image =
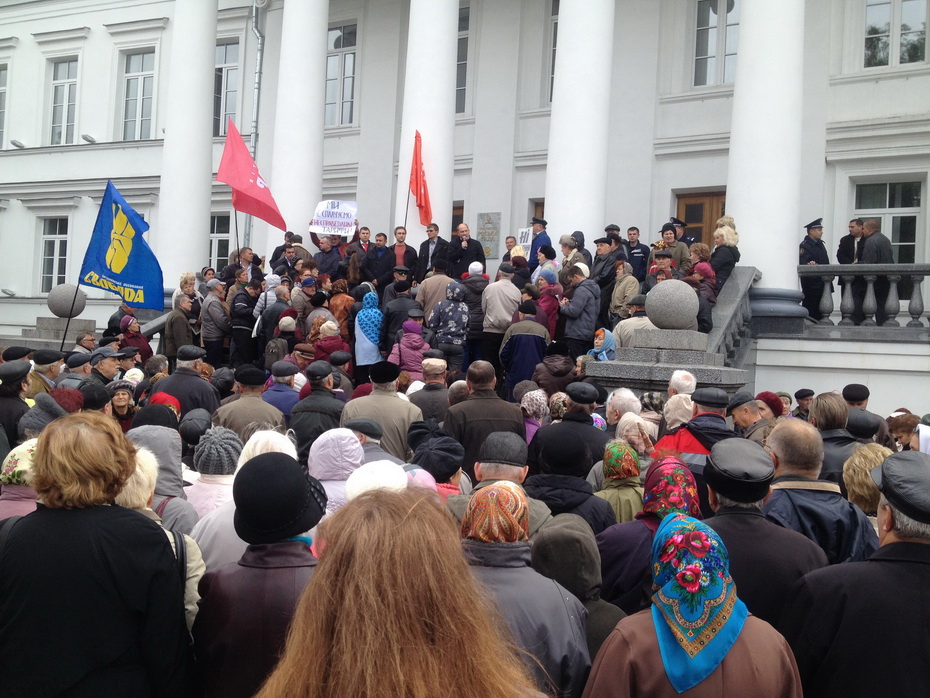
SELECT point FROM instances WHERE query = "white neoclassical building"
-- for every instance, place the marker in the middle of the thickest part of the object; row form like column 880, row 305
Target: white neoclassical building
column 587, row 112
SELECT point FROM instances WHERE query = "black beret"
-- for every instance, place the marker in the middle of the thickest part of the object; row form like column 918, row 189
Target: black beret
column 43, row 357
column 541, row 221
column 402, row 286
column 14, row 353
column 582, row 393
column 366, row 426
column 803, row 393
column 250, row 375
column 710, row 397
column 384, row 372
column 77, row 359
column 527, row 308
column 637, row 300
column 319, row 369
column 14, row 371
column 340, row 358
column 739, row 469
column 855, row 392
column 601, row 390
column 318, row 299
column 861, row 423
column 282, row 369
column 191, row 353
column 738, row 400
column 904, row 479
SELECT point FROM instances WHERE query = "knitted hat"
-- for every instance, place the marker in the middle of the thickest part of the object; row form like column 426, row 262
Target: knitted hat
column 217, row 452
column 40, row 415
column 376, row 475
column 329, row 329
column 116, row 386
column 134, row 376
column 773, row 401
column 548, row 275
column 126, row 322
column 475, row 268
column 287, row 324
column 18, row 463
column 412, row 327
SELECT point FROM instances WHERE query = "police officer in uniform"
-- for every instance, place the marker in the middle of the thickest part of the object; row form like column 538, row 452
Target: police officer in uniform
column 813, row 251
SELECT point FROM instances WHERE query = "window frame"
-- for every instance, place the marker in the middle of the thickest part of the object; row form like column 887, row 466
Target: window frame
column 465, row 87
column 4, row 87
column 888, row 213
column 67, row 130
column 141, row 75
column 60, row 252
column 219, row 262
column 551, row 48
column 894, row 37
column 719, row 55
column 222, row 72
column 341, row 54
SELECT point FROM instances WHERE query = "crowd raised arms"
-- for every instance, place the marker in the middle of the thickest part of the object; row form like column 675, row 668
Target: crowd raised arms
column 375, row 470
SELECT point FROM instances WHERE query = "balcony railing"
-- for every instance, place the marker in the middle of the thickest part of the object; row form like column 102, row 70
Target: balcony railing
column 911, row 275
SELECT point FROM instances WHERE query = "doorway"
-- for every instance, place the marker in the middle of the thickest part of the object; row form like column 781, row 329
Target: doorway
column 700, row 213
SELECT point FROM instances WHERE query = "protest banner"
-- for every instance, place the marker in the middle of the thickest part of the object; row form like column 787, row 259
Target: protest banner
column 334, row 217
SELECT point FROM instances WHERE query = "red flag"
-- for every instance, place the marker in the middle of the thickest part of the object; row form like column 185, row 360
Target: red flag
column 250, row 194
column 418, row 183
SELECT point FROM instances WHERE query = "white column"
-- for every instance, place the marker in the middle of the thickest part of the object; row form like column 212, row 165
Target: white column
column 297, row 156
column 183, row 237
column 429, row 107
column 576, row 171
column 763, row 179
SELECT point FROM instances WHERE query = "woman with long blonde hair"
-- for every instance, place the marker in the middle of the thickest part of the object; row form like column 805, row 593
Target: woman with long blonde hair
column 393, row 610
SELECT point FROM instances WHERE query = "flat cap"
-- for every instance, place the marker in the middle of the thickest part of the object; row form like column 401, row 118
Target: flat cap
column 816, row 223
column 503, row 447
column 507, row 268
column 47, row 356
column 612, row 227
column 213, row 283
column 416, row 312
column 541, row 221
column 434, row 354
column 401, row 269
column 384, row 372
column 319, row 369
column 856, row 392
column 95, row 395
column 605, row 241
column 14, row 353
column 904, row 479
column 100, row 353
column 191, row 353
column 340, row 358
column 282, row 369
column 366, row 426
column 711, row 397
column 108, row 339
column 305, row 350
column 664, row 253
column 637, row 300
column 250, row 375
column 77, row 359
column 14, row 372
column 128, row 352
column 582, row 393
column 739, row 469
column 803, row 393
column 738, row 400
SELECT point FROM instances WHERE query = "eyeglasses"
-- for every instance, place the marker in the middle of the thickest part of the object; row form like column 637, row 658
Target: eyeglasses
column 87, row 339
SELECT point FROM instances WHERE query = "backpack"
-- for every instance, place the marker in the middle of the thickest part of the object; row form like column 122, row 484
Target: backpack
column 275, row 350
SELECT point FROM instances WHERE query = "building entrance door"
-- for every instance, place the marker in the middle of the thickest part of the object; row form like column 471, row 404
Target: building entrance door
column 700, row 212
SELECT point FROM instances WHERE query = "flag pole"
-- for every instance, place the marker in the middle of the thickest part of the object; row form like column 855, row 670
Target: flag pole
column 236, row 226
column 407, row 208
column 64, row 335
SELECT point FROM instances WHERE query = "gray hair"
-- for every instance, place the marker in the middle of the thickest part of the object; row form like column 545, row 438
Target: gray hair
column 682, row 382
column 727, row 502
column 186, row 364
column 389, row 387
column 281, row 291
column 281, row 380
column 180, row 298
column 623, row 400
column 266, row 441
column 43, row 368
column 501, row 471
column 141, row 484
column 905, row 525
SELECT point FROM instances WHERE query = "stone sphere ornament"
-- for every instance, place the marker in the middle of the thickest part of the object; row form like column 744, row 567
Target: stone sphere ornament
column 60, row 299
column 672, row 305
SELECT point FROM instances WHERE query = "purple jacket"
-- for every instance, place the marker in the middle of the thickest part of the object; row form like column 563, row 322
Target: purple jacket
column 16, row 500
column 408, row 354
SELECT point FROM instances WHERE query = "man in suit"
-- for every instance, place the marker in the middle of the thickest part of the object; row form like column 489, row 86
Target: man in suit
column 827, row 621
column 813, row 251
column 464, row 251
column 431, row 249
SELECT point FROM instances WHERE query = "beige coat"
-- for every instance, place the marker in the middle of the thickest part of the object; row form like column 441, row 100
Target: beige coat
column 246, row 413
column 625, row 288
column 432, row 290
column 623, row 332
column 393, row 414
column 625, row 496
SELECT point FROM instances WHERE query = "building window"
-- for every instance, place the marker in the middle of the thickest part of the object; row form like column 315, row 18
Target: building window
column 54, row 252
column 64, row 100
column 716, row 38
column 138, row 95
column 3, row 79
column 897, row 206
column 225, row 86
column 895, row 32
column 461, row 64
column 219, row 241
column 340, row 76
column 553, row 41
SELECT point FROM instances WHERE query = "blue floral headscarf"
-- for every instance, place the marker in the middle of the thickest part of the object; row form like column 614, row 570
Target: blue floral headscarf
column 695, row 610
column 370, row 318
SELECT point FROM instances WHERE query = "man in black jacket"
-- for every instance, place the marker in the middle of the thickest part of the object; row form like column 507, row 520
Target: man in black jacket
column 463, row 252
column 827, row 620
column 431, row 249
column 576, row 426
column 828, row 413
column 379, row 265
column 318, row 412
column 244, row 347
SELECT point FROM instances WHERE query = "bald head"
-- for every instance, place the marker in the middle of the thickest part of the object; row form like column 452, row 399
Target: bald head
column 797, row 448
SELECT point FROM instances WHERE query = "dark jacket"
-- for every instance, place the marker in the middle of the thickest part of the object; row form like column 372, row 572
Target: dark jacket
column 316, row 413
column 567, row 494
column 831, row 609
column 328, row 262
column 576, row 427
column 410, row 257
column 582, row 311
column 722, row 261
column 846, row 252
column 578, row 237
column 433, row 401
column 626, row 565
column 544, row 619
column 521, row 351
column 638, row 257
column 190, row 389
column 270, row 318
column 470, row 422
column 554, row 373
column 474, row 285
column 91, row 604
column 379, row 267
column 177, row 332
column 424, row 264
column 766, row 560
column 542, row 238
column 460, row 258
column 240, row 311
column 817, row 510
column 12, row 410
column 396, row 313
column 245, row 610
column 838, row 446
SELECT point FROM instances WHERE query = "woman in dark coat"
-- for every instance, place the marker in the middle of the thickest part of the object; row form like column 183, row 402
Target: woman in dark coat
column 91, row 594
column 556, row 370
column 725, row 254
column 625, row 547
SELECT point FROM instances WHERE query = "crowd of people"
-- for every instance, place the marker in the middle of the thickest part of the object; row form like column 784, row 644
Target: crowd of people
column 423, row 494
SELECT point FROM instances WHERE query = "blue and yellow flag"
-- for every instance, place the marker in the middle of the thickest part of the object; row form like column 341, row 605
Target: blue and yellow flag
column 119, row 259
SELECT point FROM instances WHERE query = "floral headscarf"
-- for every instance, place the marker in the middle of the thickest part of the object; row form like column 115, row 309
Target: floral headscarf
column 695, row 610
column 369, row 318
column 498, row 513
column 18, row 464
column 620, row 461
column 669, row 489
column 534, row 402
column 653, row 401
column 599, row 421
column 558, row 403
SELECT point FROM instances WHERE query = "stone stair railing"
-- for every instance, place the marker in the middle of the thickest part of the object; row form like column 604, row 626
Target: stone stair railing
column 869, row 274
column 731, row 335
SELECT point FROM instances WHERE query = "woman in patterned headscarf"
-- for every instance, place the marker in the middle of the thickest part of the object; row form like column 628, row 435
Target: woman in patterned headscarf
column 544, row 620
column 535, row 410
column 622, row 487
column 367, row 335
column 698, row 639
column 624, row 547
column 558, row 403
